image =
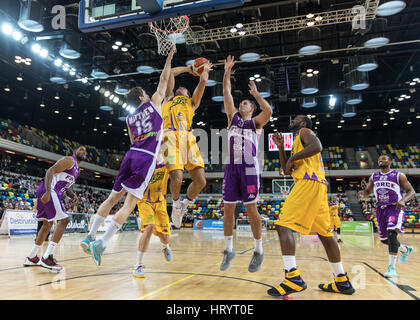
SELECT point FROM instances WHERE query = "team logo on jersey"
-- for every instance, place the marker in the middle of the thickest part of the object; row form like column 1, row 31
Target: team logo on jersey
column 180, row 115
column 382, row 178
column 251, row 196
column 382, row 191
column 157, row 176
column 240, row 123
column 251, row 189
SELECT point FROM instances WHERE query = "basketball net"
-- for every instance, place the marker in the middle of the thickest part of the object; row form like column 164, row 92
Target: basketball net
column 168, row 31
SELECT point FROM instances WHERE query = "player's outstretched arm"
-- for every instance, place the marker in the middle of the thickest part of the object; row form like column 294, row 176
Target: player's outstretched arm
column 367, row 191
column 60, row 166
column 171, row 83
column 264, row 116
column 199, row 90
column 227, row 88
column 408, row 188
column 159, row 95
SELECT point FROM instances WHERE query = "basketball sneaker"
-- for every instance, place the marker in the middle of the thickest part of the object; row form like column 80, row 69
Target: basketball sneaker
column 341, row 284
column 138, row 271
column 177, row 216
column 255, row 264
column 167, row 252
column 97, row 251
column 292, row 283
column 390, row 272
column 50, row 263
column 339, row 240
column 85, row 244
column 31, row 262
column 404, row 256
column 227, row 258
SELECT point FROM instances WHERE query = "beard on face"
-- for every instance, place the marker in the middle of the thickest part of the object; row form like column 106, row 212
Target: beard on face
column 383, row 165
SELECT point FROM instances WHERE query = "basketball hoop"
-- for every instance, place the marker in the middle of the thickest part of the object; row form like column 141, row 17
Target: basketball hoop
column 167, row 32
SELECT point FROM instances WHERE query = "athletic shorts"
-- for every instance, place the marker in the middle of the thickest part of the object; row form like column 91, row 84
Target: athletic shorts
column 181, row 151
column 389, row 218
column 53, row 210
column 306, row 209
column 241, row 182
column 335, row 223
column 135, row 173
column 155, row 213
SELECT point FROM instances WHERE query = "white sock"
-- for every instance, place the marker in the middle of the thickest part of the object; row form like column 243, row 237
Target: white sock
column 392, row 260
column 403, row 248
column 338, row 236
column 50, row 249
column 177, row 203
column 289, row 262
column 98, row 220
column 139, row 258
column 337, row 268
column 34, row 251
column 112, row 229
column 258, row 246
column 229, row 243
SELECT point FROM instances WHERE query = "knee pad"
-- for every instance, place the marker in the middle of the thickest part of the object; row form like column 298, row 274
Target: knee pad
column 393, row 243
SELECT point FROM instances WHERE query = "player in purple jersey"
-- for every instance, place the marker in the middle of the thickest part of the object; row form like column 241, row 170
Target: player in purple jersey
column 242, row 177
column 136, row 170
column 388, row 186
column 58, row 180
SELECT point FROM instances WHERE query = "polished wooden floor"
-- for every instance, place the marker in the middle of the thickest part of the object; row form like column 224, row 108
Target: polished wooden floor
column 194, row 271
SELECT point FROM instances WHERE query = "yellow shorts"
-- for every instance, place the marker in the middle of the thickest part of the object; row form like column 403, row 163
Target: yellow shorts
column 181, row 151
column 306, row 209
column 154, row 213
column 335, row 223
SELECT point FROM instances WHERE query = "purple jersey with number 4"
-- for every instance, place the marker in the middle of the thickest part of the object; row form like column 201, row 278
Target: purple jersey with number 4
column 139, row 163
column 387, row 192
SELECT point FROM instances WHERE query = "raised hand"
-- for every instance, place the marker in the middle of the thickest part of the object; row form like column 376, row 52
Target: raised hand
column 229, row 63
column 278, row 139
column 253, row 88
column 206, row 69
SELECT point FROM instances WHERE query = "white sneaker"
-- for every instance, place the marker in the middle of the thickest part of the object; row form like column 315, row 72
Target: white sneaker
column 176, row 216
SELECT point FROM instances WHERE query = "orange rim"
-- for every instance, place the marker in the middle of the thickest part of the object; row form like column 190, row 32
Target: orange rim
column 169, row 31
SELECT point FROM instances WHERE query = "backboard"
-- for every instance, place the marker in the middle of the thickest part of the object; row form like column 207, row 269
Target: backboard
column 99, row 15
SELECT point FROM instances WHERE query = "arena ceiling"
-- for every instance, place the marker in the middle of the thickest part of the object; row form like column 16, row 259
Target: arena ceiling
column 398, row 65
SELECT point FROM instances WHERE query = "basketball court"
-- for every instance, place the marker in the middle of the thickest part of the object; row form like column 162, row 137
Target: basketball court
column 351, row 67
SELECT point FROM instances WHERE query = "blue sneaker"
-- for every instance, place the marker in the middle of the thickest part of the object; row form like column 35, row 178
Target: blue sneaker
column 404, row 256
column 97, row 251
column 390, row 272
column 85, row 244
column 138, row 271
column 227, row 258
column 167, row 252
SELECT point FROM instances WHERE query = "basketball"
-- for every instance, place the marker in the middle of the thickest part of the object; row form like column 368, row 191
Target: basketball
column 198, row 65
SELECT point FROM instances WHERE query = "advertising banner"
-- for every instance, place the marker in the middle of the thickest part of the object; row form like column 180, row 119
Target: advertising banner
column 21, row 222
column 78, row 223
column 130, row 224
column 215, row 225
column 356, row 227
column 288, row 142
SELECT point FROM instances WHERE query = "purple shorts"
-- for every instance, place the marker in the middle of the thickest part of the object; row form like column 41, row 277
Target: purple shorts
column 389, row 218
column 135, row 173
column 241, row 183
column 53, row 209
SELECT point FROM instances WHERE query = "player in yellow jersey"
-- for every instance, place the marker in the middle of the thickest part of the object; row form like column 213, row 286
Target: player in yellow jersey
column 335, row 222
column 306, row 209
column 179, row 143
column 154, row 217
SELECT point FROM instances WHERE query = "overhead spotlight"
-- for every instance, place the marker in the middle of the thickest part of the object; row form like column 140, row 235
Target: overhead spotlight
column 98, row 74
column 242, row 32
column 58, row 62
column 39, row 87
column 72, row 72
column 317, row 122
column 19, row 77
column 7, row 88
column 310, row 36
column 316, row 71
column 309, row 102
column 43, row 53
column 106, row 108
column 390, row 7
column 391, row 118
column 66, row 67
column 56, row 112
column 17, row 35
column 95, row 129
column 42, row 104
column 309, row 85
column 217, row 94
column 116, row 99
column 353, row 98
column 400, row 99
column 376, row 37
column 368, row 119
column 252, row 78
column 309, row 71
column 57, row 77
column 418, row 116
column 258, row 80
column 409, row 122
column 124, row 49
column 412, row 83
column 7, row 28
column 110, row 124
column 122, row 88
column 57, row 97
column 356, row 80
column 115, row 47
column 407, row 97
column 111, row 97
column 97, row 117
column 349, row 110
column 145, row 69
column 84, row 80
column 97, row 87
column 363, row 63
column 233, row 30
column 36, row 47
column 385, row 123
column 118, row 43
column 264, row 86
column 332, row 101
column 69, row 117
column 30, row 16
column 342, row 121
column 249, row 42
column 339, row 126
column 318, row 18
column 239, row 25
column 107, row 94
column 364, row 125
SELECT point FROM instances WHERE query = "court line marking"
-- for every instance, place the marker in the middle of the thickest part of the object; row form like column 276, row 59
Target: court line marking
column 401, row 287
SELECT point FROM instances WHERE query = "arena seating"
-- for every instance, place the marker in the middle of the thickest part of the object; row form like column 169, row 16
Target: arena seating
column 335, row 159
column 404, row 156
column 8, row 131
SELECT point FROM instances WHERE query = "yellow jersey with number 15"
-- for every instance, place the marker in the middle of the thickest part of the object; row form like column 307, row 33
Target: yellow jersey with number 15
column 311, row 168
column 178, row 114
